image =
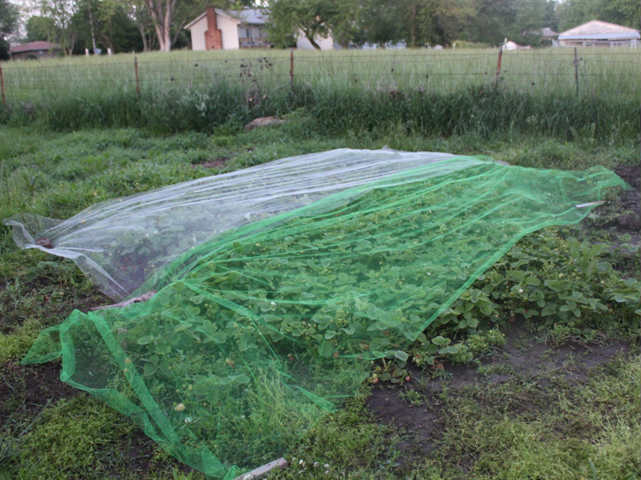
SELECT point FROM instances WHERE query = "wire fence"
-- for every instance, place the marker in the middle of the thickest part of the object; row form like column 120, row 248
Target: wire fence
column 585, row 71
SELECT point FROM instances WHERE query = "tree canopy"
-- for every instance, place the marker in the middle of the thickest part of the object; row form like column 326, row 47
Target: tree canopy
column 8, row 23
column 125, row 25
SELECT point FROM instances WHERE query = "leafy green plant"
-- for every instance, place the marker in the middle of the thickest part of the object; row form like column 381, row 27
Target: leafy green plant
column 564, row 288
column 413, row 397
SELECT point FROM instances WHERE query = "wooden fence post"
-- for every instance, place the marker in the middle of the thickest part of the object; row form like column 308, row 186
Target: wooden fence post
column 291, row 69
column 4, row 99
column 498, row 67
column 137, row 77
column 576, row 70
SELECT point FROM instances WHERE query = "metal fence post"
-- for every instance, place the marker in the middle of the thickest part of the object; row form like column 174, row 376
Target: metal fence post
column 498, row 67
column 4, row 98
column 137, row 77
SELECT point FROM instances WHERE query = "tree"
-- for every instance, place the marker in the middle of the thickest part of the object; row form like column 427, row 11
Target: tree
column 104, row 24
column 312, row 17
column 443, row 21
column 169, row 17
column 61, row 12
column 8, row 24
column 138, row 13
column 378, row 23
column 161, row 12
column 575, row 12
column 492, row 21
column 40, row 28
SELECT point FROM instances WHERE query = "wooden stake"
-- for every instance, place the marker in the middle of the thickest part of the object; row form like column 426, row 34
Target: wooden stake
column 498, row 67
column 264, row 470
column 4, row 99
column 291, row 68
column 137, row 77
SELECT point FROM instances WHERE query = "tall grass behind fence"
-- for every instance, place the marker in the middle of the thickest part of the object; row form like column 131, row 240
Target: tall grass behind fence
column 435, row 91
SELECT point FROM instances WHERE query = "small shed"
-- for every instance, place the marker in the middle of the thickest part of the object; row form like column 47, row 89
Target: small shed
column 214, row 29
column 217, row 29
column 599, row 34
column 34, row 50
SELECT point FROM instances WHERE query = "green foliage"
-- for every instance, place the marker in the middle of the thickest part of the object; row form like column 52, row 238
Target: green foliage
column 359, row 446
column 523, row 430
column 8, row 24
column 83, row 438
column 415, row 22
column 564, row 288
column 315, row 18
column 623, row 12
column 343, row 109
column 40, row 28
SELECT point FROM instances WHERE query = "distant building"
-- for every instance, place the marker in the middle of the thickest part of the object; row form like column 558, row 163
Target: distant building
column 34, row 50
column 510, row 45
column 599, row 34
column 252, row 31
column 217, row 29
column 214, row 29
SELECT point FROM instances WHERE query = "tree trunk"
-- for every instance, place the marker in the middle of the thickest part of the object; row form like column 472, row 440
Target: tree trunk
column 310, row 36
column 413, row 26
column 167, row 27
column 161, row 18
column 143, row 35
column 93, row 33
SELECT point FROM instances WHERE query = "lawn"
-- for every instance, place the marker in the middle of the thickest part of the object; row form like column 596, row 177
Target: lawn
column 524, row 395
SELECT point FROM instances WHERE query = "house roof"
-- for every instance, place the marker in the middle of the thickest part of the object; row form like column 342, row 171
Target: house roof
column 597, row 30
column 33, row 47
column 252, row 16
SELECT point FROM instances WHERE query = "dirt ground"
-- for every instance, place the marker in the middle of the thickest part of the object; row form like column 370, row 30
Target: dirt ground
column 26, row 390
column 522, row 359
column 630, row 222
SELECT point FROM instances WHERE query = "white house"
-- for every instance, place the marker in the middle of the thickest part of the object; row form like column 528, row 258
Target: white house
column 216, row 29
column 597, row 33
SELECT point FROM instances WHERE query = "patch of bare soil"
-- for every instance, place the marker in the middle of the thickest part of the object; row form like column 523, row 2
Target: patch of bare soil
column 617, row 224
column 218, row 163
column 630, row 220
column 25, row 390
column 522, row 358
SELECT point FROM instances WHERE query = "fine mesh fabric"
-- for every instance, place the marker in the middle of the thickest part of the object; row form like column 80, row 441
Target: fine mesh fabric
column 120, row 243
column 259, row 331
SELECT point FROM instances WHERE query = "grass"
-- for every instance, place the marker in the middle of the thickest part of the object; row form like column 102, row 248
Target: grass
column 538, row 70
column 540, row 425
column 431, row 92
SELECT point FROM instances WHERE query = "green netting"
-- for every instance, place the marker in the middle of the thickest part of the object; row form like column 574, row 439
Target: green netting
column 255, row 334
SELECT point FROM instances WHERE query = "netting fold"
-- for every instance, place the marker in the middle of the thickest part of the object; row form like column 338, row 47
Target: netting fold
column 258, row 331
